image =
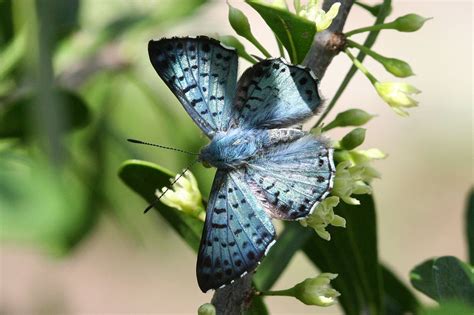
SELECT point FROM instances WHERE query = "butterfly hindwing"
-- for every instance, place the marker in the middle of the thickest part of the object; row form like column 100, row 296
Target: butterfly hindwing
column 291, row 178
column 236, row 234
column 273, row 94
column 202, row 74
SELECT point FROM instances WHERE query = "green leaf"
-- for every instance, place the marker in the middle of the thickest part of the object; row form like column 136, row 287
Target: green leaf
column 470, row 226
column 15, row 116
column 6, row 22
column 145, row 178
column 289, row 242
column 41, row 205
column 257, row 307
column 12, row 54
column 294, row 32
column 445, row 279
column 397, row 297
column 453, row 308
column 422, row 278
column 352, row 253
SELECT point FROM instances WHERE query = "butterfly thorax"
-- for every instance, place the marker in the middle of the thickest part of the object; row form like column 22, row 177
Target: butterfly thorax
column 233, row 149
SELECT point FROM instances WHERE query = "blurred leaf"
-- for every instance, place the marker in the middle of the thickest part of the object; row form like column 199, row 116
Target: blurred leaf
column 145, row 178
column 470, row 226
column 294, row 32
column 15, row 120
column 62, row 15
column 6, row 22
column 452, row 308
column 445, row 279
column 422, row 278
column 41, row 206
column 12, row 54
column 397, row 298
column 352, row 253
column 289, row 242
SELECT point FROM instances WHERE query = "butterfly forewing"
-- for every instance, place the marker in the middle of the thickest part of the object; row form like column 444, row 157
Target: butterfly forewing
column 202, row 74
column 236, row 235
column 273, row 94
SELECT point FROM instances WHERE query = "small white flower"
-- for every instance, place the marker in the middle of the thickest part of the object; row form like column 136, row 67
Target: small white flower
column 317, row 291
column 323, row 216
column 184, row 195
column 397, row 95
column 314, row 13
column 350, row 180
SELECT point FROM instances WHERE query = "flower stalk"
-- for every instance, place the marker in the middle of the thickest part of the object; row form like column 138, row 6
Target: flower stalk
column 407, row 23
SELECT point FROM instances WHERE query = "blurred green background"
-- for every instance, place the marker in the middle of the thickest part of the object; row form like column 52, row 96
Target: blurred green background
column 75, row 82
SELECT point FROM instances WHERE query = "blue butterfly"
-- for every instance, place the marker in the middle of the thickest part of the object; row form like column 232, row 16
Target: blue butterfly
column 265, row 168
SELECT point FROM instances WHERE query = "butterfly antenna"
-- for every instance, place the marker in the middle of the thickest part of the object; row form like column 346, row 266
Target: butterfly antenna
column 161, row 146
column 155, row 202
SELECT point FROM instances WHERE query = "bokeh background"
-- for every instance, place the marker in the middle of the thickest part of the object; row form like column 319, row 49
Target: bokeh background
column 83, row 246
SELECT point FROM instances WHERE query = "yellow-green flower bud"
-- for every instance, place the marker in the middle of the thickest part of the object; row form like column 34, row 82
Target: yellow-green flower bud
column 350, row 117
column 323, row 216
column 397, row 67
column 317, row 291
column 353, row 139
column 184, row 195
column 397, row 95
column 207, row 309
column 239, row 22
column 241, row 26
column 409, row 23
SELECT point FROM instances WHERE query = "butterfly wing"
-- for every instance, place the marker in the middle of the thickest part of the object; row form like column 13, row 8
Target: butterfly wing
column 202, row 74
column 273, row 94
column 236, row 234
column 291, row 178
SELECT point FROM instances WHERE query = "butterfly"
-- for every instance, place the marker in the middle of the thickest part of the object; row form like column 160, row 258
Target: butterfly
column 265, row 167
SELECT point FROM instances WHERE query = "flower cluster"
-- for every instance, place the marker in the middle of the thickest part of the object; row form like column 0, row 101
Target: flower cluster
column 323, row 216
column 398, row 95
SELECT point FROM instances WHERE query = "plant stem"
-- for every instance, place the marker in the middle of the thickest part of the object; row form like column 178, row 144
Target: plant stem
column 280, row 48
column 287, row 292
column 360, row 66
column 376, row 27
column 368, row 43
column 364, row 49
column 262, row 49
